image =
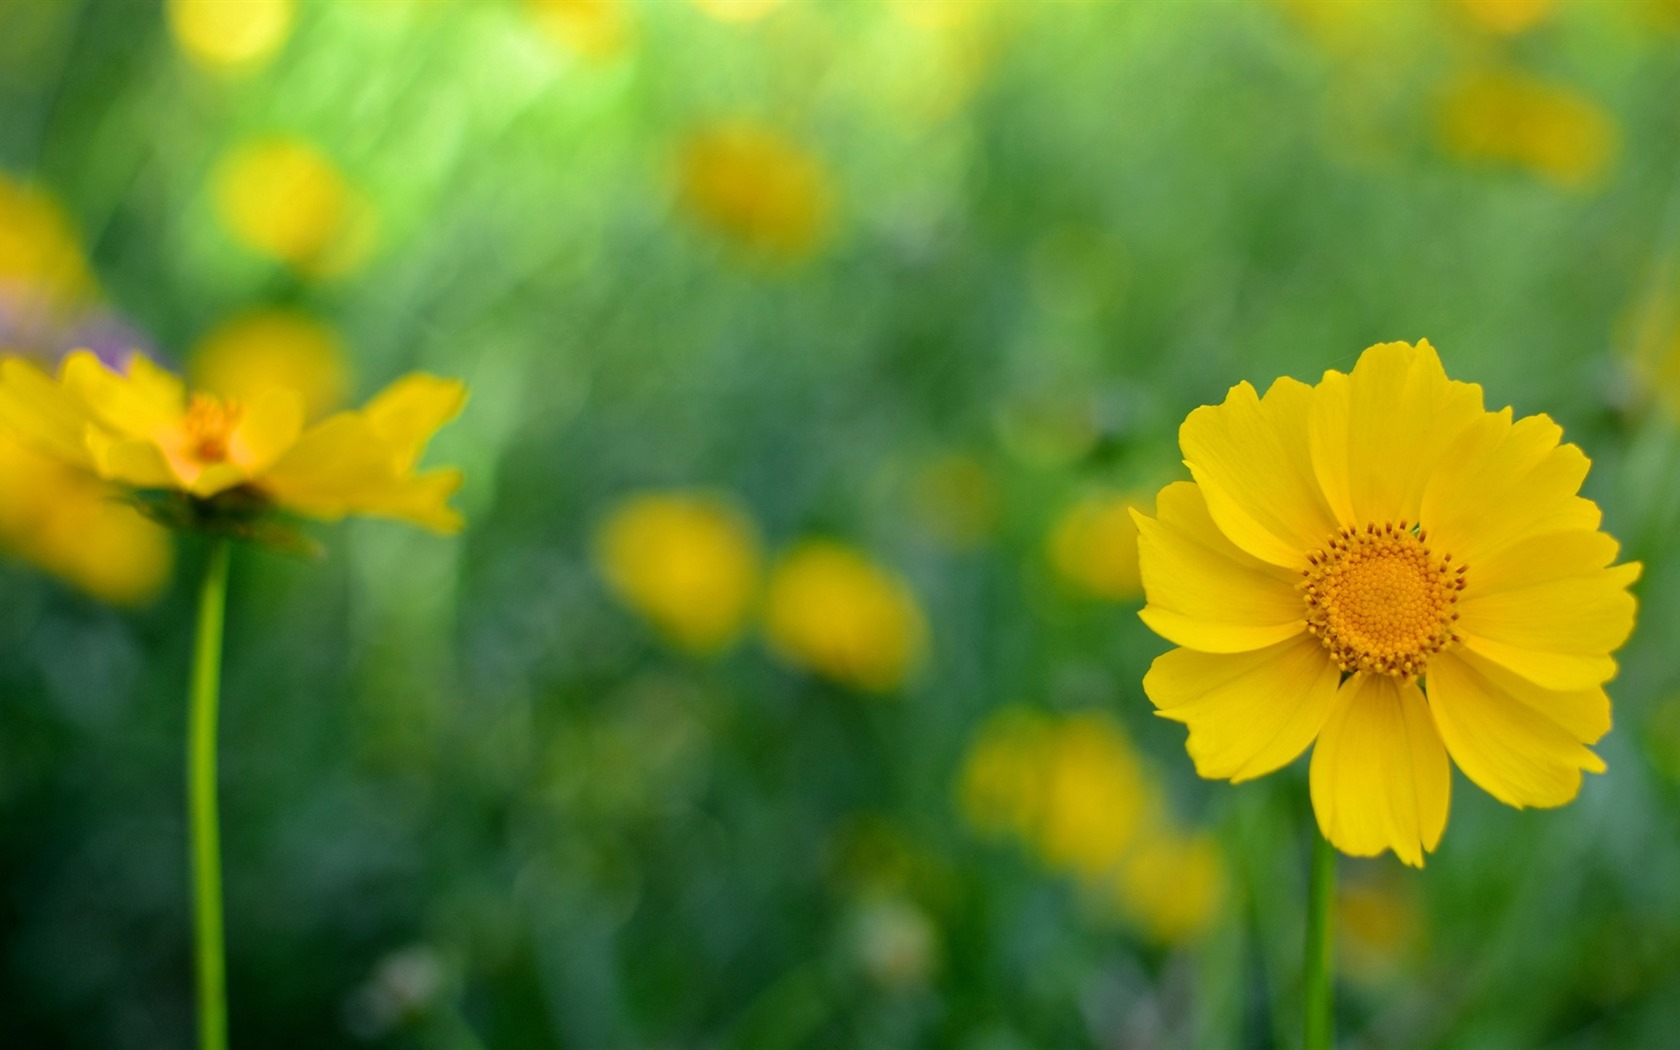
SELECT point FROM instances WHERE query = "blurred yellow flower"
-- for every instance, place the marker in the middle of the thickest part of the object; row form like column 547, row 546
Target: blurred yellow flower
column 593, row 29
column 1511, row 118
column 230, row 34
column 1172, row 885
column 76, row 527
column 283, row 198
column 141, row 430
column 1507, row 16
column 1096, row 798
column 1001, row 788
column 39, row 251
column 956, row 500
column 1347, row 546
column 1378, row 927
column 835, row 612
column 689, row 562
column 737, row 10
column 264, row 349
column 757, row 187
column 1094, row 545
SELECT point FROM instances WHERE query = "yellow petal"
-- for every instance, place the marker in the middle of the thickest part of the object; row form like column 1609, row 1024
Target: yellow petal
column 329, row 466
column 408, row 412
column 1499, row 736
column 1379, row 432
column 269, row 427
column 1548, row 599
column 43, row 415
column 1203, row 591
column 1380, row 778
column 420, row 499
column 1500, row 481
column 1248, row 713
column 131, row 461
column 217, row 478
column 139, row 404
column 1253, row 460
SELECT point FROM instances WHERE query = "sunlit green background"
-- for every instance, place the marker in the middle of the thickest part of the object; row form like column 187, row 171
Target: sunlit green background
column 783, row 689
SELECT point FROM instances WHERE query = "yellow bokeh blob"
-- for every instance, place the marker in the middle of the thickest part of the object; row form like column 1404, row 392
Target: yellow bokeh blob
column 40, row 254
column 1512, row 118
column 737, row 10
column 1096, row 798
column 756, row 187
column 592, row 29
column 688, row 562
column 1002, row 786
column 1507, row 16
column 230, row 34
column 77, row 528
column 263, row 350
column 1172, row 885
column 833, row 611
column 283, row 198
column 1094, row 546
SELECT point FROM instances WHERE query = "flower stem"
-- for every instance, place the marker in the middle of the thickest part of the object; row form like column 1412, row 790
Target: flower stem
column 201, row 800
column 1317, row 997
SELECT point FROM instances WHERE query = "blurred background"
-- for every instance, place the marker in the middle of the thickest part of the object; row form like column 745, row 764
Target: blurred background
column 783, row 690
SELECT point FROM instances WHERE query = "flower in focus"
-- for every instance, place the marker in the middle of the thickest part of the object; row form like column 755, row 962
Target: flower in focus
column 283, row 198
column 757, row 187
column 1380, row 565
column 264, row 349
column 1076, row 793
column 140, row 429
column 230, row 34
column 1515, row 119
column 835, row 612
column 1094, row 546
column 73, row 526
column 688, row 562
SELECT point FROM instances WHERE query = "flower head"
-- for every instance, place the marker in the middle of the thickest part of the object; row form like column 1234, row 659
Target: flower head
column 834, row 611
column 1382, row 566
column 141, row 428
column 757, row 187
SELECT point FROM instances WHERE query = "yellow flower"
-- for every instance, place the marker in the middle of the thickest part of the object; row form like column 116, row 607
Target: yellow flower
column 688, row 562
column 1172, row 885
column 257, row 351
column 39, row 251
column 230, row 34
column 834, row 611
column 1511, row 118
column 140, row 429
column 282, row 197
column 1094, row 546
column 1096, row 798
column 1001, row 787
column 757, row 187
column 73, row 526
column 1379, row 564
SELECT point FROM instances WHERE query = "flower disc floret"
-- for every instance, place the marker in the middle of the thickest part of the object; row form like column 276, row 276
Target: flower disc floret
column 1380, row 601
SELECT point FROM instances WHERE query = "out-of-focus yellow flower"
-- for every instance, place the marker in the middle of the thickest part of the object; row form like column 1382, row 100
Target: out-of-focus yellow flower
column 1377, row 928
column 75, row 527
column 1002, row 785
column 264, row 349
column 835, row 612
column 39, row 251
column 1094, row 545
column 1511, row 118
column 593, row 29
column 1172, row 885
column 230, row 34
column 140, row 429
column 1507, row 16
column 757, row 187
column 956, row 500
column 1096, row 797
column 689, row 562
column 282, row 197
column 737, row 10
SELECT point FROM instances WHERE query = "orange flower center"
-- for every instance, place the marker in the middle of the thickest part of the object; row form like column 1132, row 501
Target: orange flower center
column 209, row 426
column 1380, row 600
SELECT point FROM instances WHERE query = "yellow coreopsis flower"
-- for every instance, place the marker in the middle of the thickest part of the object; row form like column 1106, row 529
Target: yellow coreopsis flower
column 1378, row 564
column 688, row 562
column 836, row 612
column 1094, row 545
column 1512, row 118
column 757, row 187
column 141, row 429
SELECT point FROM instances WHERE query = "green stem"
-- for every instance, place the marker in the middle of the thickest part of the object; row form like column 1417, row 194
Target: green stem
column 201, row 801
column 1317, row 997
